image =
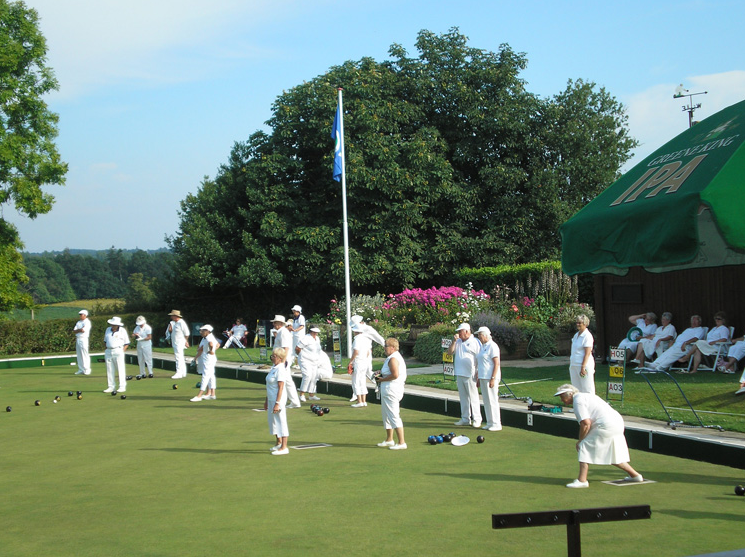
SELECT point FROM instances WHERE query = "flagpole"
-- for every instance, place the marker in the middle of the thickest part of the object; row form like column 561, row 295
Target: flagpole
column 345, row 229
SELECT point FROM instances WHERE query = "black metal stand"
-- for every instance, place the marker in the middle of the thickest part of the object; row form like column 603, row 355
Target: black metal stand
column 672, row 422
column 572, row 519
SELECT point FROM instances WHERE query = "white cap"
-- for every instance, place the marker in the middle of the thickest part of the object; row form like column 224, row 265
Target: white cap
column 206, row 328
column 463, row 327
column 116, row 321
column 484, row 330
column 297, row 308
column 315, row 330
column 140, row 320
column 83, row 312
column 279, row 318
column 566, row 388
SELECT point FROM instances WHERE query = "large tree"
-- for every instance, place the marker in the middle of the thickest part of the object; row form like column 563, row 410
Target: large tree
column 450, row 162
column 28, row 155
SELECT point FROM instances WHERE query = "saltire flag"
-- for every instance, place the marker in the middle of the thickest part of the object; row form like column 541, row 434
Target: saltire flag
column 336, row 136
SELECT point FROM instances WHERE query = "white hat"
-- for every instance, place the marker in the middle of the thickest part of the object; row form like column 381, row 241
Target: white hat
column 463, row 327
column 116, row 321
column 297, row 308
column 206, row 328
column 484, row 330
column 357, row 319
column 289, row 322
column 140, row 320
column 83, row 312
column 356, row 328
column 566, row 388
column 315, row 330
column 279, row 318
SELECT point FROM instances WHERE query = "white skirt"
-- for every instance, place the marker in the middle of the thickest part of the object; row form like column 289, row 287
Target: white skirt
column 707, row 349
column 605, row 444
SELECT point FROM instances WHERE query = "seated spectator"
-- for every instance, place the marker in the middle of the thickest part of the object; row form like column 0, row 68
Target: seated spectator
column 647, row 323
column 680, row 351
column 236, row 334
column 657, row 343
column 709, row 347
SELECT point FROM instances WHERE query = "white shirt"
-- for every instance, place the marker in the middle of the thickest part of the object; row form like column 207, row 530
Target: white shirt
column 579, row 343
column 465, row 354
column 178, row 331
column 298, row 322
column 116, row 339
column 398, row 382
column 238, row 331
column 718, row 333
column 83, row 328
column 283, row 338
column 688, row 334
column 141, row 332
column 280, row 372
column 591, row 407
column 363, row 345
column 488, row 352
column 310, row 347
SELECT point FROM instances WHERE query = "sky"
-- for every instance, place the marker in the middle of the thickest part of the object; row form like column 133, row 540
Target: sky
column 154, row 93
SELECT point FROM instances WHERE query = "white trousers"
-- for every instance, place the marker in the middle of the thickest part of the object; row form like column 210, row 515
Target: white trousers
column 670, row 356
column 470, row 407
column 178, row 353
column 114, row 358
column 233, row 340
column 309, row 369
column 84, row 358
column 359, row 378
column 145, row 356
column 491, row 402
column 649, row 347
column 585, row 384
column 292, row 397
column 390, row 404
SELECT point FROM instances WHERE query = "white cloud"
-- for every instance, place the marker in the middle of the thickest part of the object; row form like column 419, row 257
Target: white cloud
column 109, row 42
column 655, row 117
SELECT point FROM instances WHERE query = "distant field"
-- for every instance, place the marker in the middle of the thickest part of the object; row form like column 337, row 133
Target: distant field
column 63, row 310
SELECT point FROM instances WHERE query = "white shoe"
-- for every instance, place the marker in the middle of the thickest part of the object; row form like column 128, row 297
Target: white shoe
column 302, row 398
column 314, row 397
column 354, row 398
column 279, row 452
column 79, row 372
column 740, row 391
column 291, row 406
column 398, row 447
column 492, row 428
column 275, row 448
column 196, row 399
column 86, row 373
column 177, row 376
column 462, row 422
column 386, row 444
column 638, row 478
column 477, row 424
column 209, row 397
column 109, row 390
column 578, row 484
column 359, row 405
column 123, row 390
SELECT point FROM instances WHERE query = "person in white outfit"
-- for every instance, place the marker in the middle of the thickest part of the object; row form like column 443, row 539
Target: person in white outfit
column 82, row 331
column 283, row 339
column 373, row 335
column 276, row 400
column 465, row 349
column 206, row 355
column 647, row 324
column 236, row 334
column 360, row 365
column 392, row 379
column 143, row 334
column 297, row 328
column 601, row 439
column 490, row 374
column 709, row 347
column 581, row 362
column 307, row 352
column 649, row 345
column 681, row 348
column 178, row 332
column 116, row 340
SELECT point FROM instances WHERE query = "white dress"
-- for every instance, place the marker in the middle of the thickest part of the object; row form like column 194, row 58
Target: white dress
column 580, row 342
column 391, row 392
column 605, row 444
column 646, row 330
column 277, row 422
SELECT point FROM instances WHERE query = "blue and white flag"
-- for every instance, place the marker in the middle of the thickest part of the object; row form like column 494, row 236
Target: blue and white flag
column 337, row 137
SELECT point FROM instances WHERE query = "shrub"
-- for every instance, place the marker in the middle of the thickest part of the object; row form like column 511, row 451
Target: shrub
column 428, row 345
column 542, row 339
column 505, row 334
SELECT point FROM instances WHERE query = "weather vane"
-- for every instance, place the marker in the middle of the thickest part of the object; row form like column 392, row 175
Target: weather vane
column 681, row 92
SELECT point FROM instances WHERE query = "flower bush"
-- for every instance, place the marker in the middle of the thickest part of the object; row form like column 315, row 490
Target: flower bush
column 447, row 304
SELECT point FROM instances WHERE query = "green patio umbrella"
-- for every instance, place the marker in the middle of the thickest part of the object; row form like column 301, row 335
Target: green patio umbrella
column 682, row 207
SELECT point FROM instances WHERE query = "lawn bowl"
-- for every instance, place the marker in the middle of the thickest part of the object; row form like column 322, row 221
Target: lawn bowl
column 739, row 490
column 175, row 386
column 37, row 403
column 480, row 439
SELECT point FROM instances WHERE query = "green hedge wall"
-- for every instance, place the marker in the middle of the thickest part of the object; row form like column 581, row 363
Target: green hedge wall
column 486, row 278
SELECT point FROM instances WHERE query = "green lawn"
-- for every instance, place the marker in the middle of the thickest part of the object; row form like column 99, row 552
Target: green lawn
column 157, row 475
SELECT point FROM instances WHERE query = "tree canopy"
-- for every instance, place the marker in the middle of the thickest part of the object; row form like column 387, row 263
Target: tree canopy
column 28, row 156
column 450, row 162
